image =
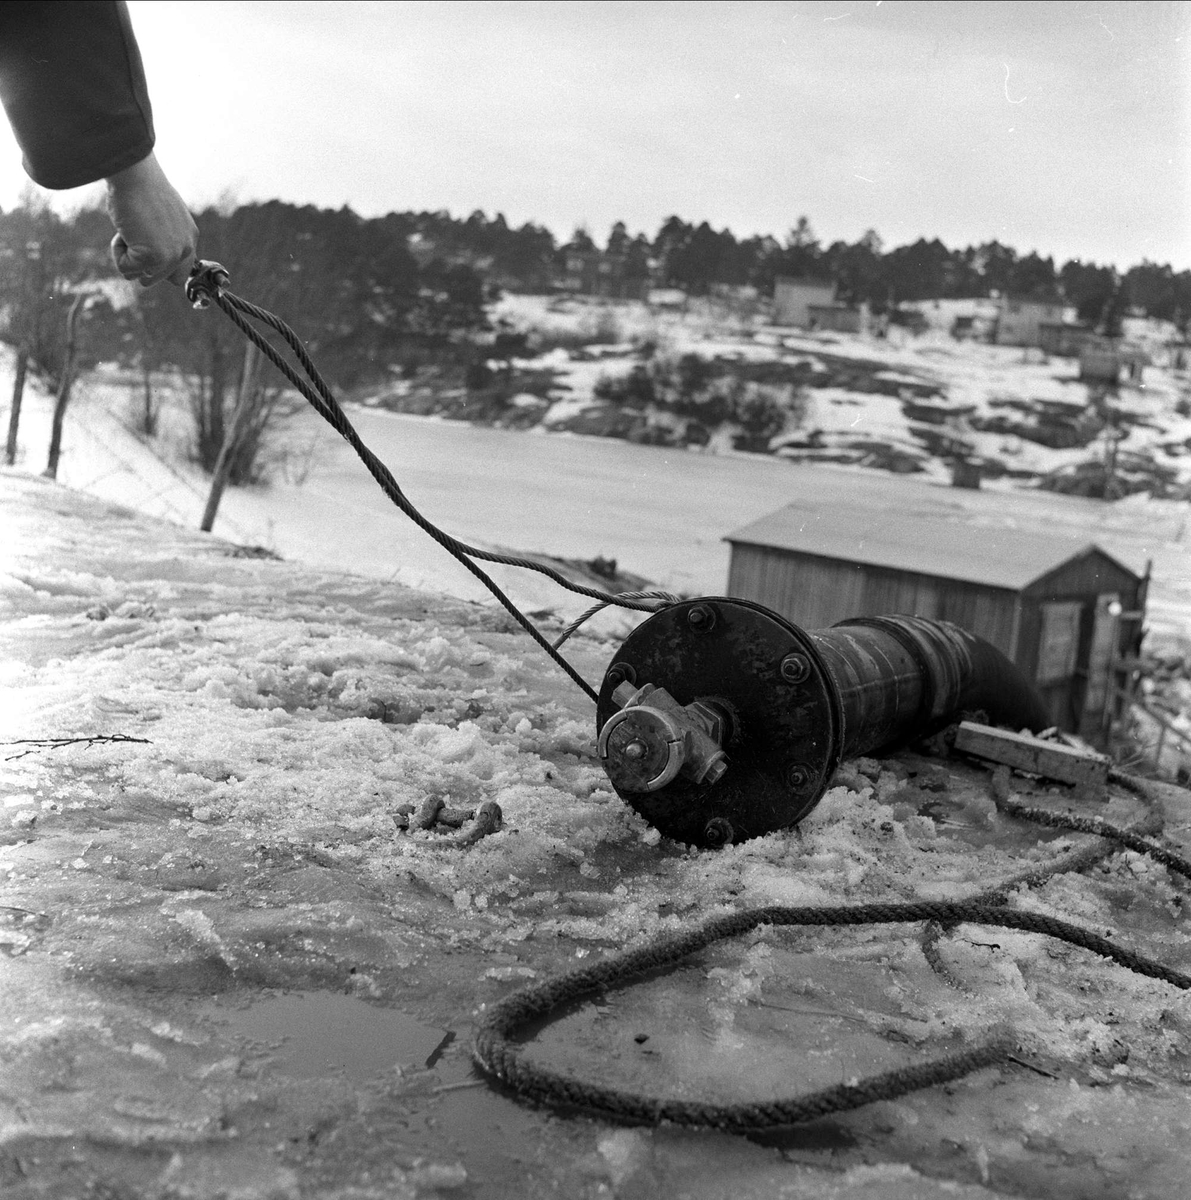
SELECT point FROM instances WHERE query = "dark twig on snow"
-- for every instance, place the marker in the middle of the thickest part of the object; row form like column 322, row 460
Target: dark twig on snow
column 35, row 744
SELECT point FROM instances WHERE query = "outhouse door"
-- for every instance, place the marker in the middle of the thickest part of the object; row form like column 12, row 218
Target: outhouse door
column 1102, row 657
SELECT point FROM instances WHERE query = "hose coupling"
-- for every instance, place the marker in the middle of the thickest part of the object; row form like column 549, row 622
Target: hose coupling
column 653, row 739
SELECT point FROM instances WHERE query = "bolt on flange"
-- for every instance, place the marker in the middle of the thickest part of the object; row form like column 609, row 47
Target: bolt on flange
column 795, row 668
column 701, row 618
column 718, row 832
column 621, row 672
column 798, row 776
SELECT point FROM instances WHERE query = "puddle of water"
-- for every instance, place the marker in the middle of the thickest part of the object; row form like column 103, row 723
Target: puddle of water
column 319, row 1035
column 315, row 1034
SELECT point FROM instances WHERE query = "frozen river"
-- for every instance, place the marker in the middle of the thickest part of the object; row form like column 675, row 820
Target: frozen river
column 661, row 513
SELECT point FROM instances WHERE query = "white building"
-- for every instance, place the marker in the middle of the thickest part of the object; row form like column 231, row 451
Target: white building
column 793, row 298
column 1019, row 323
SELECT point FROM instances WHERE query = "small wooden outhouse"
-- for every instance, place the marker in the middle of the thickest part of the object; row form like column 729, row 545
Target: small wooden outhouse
column 1060, row 607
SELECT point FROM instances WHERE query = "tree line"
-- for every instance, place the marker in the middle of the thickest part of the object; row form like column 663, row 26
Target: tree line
column 407, row 289
column 362, row 292
column 379, row 290
column 698, row 259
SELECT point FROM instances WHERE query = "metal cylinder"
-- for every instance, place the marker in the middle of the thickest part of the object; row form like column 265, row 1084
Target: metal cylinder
column 776, row 709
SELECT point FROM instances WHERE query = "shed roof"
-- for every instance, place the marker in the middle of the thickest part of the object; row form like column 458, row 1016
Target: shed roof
column 967, row 546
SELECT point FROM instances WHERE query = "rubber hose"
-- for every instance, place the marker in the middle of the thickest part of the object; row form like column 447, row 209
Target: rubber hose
column 998, row 687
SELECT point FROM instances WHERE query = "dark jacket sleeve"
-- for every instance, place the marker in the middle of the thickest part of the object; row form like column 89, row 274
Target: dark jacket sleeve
column 73, row 86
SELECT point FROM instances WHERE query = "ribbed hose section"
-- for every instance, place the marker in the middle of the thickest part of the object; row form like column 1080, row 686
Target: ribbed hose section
column 901, row 678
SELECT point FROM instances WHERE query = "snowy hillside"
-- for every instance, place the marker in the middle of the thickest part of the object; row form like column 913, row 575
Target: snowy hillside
column 903, row 402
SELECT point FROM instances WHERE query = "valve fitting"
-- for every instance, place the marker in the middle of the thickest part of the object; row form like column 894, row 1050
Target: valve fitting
column 653, row 739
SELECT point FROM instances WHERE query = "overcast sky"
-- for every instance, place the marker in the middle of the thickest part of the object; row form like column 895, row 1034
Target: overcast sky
column 1061, row 127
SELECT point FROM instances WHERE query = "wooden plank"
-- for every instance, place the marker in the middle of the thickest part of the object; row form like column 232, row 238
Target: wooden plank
column 1051, row 760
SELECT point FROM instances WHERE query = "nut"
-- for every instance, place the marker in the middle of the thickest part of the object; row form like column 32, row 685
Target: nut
column 701, row 618
column 718, row 832
column 620, row 672
column 798, row 776
column 795, row 668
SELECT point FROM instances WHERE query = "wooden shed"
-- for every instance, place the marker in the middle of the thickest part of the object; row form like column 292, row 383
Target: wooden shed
column 1062, row 608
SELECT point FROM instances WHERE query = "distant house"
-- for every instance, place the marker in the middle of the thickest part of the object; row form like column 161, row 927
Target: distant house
column 794, row 297
column 1064, row 340
column 579, row 270
column 674, row 299
column 1061, row 608
column 837, row 318
column 913, row 319
column 1134, row 360
column 736, row 299
column 592, row 272
column 1020, row 320
column 811, row 304
column 1101, row 360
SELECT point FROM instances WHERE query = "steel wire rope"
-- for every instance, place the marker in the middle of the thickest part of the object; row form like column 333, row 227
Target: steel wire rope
column 208, row 283
column 584, row 617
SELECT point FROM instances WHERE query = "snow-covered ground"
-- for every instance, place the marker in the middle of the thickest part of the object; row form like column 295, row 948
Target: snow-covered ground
column 245, row 839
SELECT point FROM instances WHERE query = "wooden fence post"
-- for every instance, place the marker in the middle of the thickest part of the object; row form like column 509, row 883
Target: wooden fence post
column 64, row 386
column 223, row 464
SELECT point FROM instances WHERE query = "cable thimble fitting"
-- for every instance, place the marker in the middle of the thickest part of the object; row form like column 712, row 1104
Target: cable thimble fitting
column 205, row 283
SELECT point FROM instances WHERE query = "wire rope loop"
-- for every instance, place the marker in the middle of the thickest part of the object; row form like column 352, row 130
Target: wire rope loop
column 208, row 284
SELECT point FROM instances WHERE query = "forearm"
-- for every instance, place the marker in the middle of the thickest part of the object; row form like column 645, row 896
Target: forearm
column 73, row 86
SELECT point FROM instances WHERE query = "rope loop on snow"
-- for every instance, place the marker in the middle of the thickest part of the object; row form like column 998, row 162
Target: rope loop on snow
column 208, row 284
column 496, row 1052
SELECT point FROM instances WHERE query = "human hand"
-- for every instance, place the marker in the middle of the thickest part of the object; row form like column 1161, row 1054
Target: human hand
column 156, row 236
